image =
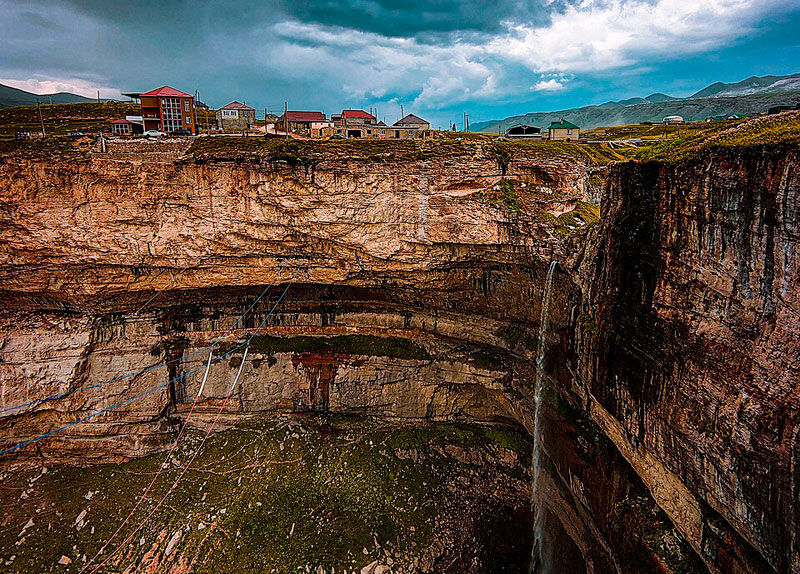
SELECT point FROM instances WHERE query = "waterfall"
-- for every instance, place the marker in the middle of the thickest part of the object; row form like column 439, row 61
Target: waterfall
column 538, row 564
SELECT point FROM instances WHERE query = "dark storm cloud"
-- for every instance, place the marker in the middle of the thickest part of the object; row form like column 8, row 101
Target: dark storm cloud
column 408, row 18
column 437, row 56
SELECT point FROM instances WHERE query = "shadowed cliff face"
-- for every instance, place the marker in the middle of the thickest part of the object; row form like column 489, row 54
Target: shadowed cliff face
column 670, row 418
column 687, row 347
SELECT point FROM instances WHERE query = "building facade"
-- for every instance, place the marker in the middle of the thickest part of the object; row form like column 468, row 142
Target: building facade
column 236, row 117
column 356, row 124
column 122, row 127
column 413, row 121
column 298, row 121
column 168, row 110
column 563, row 131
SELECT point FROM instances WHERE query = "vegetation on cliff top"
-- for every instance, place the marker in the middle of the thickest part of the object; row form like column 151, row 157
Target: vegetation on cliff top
column 312, row 152
column 60, row 119
column 770, row 134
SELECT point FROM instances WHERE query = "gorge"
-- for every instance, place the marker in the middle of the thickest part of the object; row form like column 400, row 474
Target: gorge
column 615, row 342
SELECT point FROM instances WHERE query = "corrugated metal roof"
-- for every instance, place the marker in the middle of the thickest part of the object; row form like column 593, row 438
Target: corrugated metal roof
column 357, row 114
column 166, row 92
column 295, row 116
column 411, row 120
column 234, row 105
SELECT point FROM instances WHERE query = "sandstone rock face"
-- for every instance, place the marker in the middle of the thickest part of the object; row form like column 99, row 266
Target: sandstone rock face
column 686, row 349
column 671, row 415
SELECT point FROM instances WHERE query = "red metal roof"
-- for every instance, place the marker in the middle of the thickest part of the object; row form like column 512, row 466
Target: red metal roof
column 357, row 114
column 234, row 105
column 121, row 122
column 294, row 116
column 166, row 92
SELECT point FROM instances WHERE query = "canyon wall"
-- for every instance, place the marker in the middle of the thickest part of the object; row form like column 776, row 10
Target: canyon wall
column 415, row 289
column 687, row 346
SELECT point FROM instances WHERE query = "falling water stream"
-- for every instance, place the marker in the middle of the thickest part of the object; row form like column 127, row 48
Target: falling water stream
column 538, row 564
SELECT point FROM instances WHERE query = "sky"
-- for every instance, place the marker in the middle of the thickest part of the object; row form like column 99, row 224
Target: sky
column 436, row 58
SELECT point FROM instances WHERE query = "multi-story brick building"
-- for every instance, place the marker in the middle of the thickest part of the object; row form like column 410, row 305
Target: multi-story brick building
column 168, row 109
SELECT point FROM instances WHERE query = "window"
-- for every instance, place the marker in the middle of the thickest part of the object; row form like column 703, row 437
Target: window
column 171, row 116
column 230, row 114
column 569, row 132
column 188, row 119
column 186, row 105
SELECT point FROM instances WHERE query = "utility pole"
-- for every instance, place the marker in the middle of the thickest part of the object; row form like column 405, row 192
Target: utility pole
column 98, row 96
column 402, row 113
column 41, row 119
column 286, row 118
column 466, row 118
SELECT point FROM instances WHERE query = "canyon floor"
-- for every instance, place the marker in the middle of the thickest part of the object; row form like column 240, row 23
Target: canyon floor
column 309, row 493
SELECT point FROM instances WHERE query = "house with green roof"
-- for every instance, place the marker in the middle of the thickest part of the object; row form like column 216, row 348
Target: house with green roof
column 564, row 131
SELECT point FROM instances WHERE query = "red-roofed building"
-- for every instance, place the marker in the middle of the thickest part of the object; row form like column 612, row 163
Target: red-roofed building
column 122, row 127
column 357, row 124
column 299, row 121
column 358, row 115
column 168, row 109
column 236, row 116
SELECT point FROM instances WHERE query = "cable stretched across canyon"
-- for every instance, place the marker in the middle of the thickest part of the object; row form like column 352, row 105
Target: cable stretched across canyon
column 174, row 483
column 133, row 374
column 246, row 345
column 165, row 384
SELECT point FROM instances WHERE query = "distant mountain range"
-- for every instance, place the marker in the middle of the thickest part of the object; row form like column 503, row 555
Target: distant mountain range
column 12, row 97
column 747, row 97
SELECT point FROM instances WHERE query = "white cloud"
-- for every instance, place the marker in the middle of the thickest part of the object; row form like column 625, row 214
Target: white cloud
column 333, row 65
column 599, row 35
column 551, row 85
column 52, row 85
column 589, row 36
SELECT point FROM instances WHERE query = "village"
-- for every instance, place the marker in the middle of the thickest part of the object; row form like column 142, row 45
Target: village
column 166, row 111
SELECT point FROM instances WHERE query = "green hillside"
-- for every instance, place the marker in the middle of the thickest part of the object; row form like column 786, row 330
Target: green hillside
column 590, row 117
column 11, row 97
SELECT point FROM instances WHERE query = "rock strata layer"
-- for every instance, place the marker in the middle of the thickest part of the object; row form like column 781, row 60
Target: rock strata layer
column 415, row 290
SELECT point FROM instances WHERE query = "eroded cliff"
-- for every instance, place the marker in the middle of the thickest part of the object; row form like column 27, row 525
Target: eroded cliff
column 416, row 278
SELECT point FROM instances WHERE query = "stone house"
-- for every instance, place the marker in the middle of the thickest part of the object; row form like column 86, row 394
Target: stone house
column 356, row 124
column 412, row 121
column 410, row 127
column 298, row 121
column 563, row 131
column 236, row 117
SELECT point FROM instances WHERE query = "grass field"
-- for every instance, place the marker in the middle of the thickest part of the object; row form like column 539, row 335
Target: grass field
column 60, row 119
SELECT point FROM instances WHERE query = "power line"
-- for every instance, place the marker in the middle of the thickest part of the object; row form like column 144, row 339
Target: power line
column 160, row 468
column 180, row 476
column 199, row 447
column 132, row 374
column 149, row 391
